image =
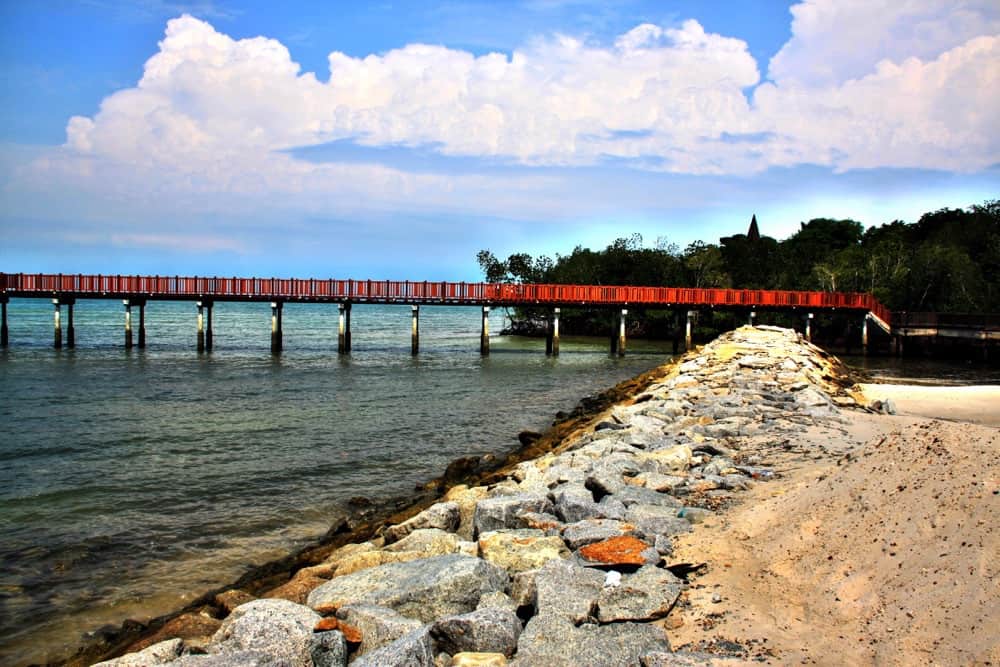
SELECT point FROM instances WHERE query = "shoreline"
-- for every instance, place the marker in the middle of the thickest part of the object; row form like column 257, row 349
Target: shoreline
column 564, row 434
column 370, row 516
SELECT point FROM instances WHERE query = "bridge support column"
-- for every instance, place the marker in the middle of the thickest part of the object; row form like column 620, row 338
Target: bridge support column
column 128, row 323
column 142, row 325
column 201, row 327
column 415, row 330
column 484, row 336
column 276, row 342
column 864, row 335
column 687, row 330
column 621, row 333
column 552, row 334
column 209, row 306
column 753, row 316
column 70, row 331
column 57, row 326
column 4, row 341
column 344, row 329
column 897, row 342
column 809, row 319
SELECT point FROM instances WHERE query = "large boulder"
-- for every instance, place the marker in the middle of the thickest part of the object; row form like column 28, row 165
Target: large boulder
column 414, row 649
column 504, row 512
column 157, row 654
column 589, row 531
column 377, row 625
column 481, row 631
column 574, row 502
column 554, row 641
column 278, row 628
column 648, row 594
column 520, row 550
column 443, row 516
column 566, row 589
column 424, row 589
column 428, row 541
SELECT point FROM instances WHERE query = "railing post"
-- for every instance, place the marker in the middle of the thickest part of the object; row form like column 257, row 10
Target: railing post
column 128, row 323
column 57, row 326
column 415, row 330
column 276, row 342
column 484, row 336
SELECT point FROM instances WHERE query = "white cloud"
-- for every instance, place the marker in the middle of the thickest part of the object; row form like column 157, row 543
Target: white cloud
column 211, row 115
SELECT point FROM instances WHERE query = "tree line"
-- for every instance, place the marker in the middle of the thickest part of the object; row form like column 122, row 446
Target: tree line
column 947, row 261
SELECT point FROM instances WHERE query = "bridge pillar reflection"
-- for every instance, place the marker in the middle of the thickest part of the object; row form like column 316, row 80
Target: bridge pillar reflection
column 57, row 325
column 415, row 330
column 552, row 334
column 276, row 342
column 3, row 322
column 484, row 336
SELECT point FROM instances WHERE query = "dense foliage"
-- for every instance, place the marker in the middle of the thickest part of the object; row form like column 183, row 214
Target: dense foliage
column 948, row 261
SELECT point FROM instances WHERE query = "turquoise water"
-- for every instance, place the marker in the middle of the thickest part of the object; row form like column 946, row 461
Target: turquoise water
column 132, row 481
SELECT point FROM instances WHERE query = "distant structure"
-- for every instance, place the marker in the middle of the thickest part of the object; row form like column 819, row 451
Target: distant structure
column 753, row 234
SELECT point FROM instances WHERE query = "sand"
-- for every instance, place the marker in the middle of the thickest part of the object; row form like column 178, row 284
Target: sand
column 881, row 550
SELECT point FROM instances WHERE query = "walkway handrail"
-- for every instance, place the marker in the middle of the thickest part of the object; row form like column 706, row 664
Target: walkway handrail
column 313, row 289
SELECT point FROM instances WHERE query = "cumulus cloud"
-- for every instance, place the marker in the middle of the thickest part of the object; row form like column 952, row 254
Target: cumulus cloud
column 858, row 85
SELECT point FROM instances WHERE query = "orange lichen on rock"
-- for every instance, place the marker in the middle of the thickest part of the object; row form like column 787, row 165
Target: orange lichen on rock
column 622, row 550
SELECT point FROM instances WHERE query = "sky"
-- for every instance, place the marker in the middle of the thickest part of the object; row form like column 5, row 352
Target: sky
column 394, row 140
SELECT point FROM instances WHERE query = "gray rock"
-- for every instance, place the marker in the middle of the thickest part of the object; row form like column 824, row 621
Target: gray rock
column 497, row 600
column 694, row 514
column 646, row 595
column 278, row 628
column 555, row 642
column 663, row 545
column 233, row 659
column 378, row 625
column 589, row 531
column 329, row 649
column 160, row 653
column 444, row 516
column 651, row 521
column 687, row 659
column 424, row 589
column 480, row 631
column 568, row 590
column 573, row 502
column 415, row 649
column 430, row 541
column 610, row 508
column 637, row 495
column 503, row 512
column 524, row 590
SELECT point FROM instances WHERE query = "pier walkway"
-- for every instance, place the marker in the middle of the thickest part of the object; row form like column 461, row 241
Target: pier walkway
column 136, row 291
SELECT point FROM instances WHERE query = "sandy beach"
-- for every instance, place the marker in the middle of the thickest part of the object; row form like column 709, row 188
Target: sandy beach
column 882, row 550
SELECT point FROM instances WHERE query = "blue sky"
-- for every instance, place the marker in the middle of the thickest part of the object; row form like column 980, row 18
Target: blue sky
column 396, row 139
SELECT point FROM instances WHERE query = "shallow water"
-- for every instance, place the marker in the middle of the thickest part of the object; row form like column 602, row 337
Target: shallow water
column 131, row 481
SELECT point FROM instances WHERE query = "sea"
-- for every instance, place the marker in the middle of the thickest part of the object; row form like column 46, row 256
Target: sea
column 133, row 481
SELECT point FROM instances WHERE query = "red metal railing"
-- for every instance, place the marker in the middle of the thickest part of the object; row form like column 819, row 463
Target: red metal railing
column 311, row 289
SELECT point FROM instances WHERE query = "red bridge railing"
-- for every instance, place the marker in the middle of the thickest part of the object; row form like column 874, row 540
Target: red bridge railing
column 389, row 291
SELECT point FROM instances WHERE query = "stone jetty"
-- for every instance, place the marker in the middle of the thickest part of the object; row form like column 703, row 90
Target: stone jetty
column 566, row 561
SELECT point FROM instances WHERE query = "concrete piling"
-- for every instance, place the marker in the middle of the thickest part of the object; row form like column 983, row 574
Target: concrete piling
column 621, row 333
column 864, row 335
column 484, row 336
column 344, row 329
column 57, row 326
column 552, row 334
column 70, row 331
column 201, row 327
column 809, row 319
column 4, row 339
column 276, row 342
column 209, row 306
column 142, row 325
column 415, row 330
column 128, row 323
column 687, row 330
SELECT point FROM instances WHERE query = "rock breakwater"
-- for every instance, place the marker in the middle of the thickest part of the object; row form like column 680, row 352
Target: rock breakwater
column 566, row 560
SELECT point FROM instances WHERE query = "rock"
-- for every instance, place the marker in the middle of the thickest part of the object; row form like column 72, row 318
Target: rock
column 497, row 600
column 478, row 660
column 329, row 649
column 428, row 541
column 547, row 523
column 554, row 641
column 659, row 482
column 688, row 659
column 694, row 514
column 621, row 550
column 232, row 599
column 369, row 559
column 610, row 508
column 466, row 498
column 646, row 595
column 234, row 659
column 160, row 653
column 414, row 649
column 567, row 590
column 637, row 495
column 573, row 502
column 279, row 628
column 589, row 531
column 196, row 629
column 443, row 516
column 374, row 626
column 480, row 631
column 523, row 589
column 651, row 521
column 520, row 550
column 424, row 589
column 297, row 588
column 503, row 512
column 670, row 459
